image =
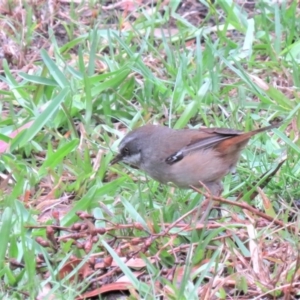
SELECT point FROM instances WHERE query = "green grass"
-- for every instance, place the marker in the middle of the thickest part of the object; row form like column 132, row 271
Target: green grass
column 78, row 97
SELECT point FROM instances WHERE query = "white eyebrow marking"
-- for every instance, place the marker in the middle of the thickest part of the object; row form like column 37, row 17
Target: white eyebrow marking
column 127, row 139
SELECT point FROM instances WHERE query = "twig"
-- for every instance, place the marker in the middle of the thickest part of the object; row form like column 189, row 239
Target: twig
column 248, row 207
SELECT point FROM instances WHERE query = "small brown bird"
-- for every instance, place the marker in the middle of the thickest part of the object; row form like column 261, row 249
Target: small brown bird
column 185, row 156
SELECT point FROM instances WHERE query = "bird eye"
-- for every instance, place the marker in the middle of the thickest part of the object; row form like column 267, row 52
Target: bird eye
column 125, row 151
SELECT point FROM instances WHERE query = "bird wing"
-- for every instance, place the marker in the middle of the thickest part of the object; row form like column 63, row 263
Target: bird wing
column 203, row 139
column 210, row 137
column 215, row 136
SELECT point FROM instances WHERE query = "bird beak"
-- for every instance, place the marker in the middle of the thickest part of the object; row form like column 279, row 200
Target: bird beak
column 116, row 159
